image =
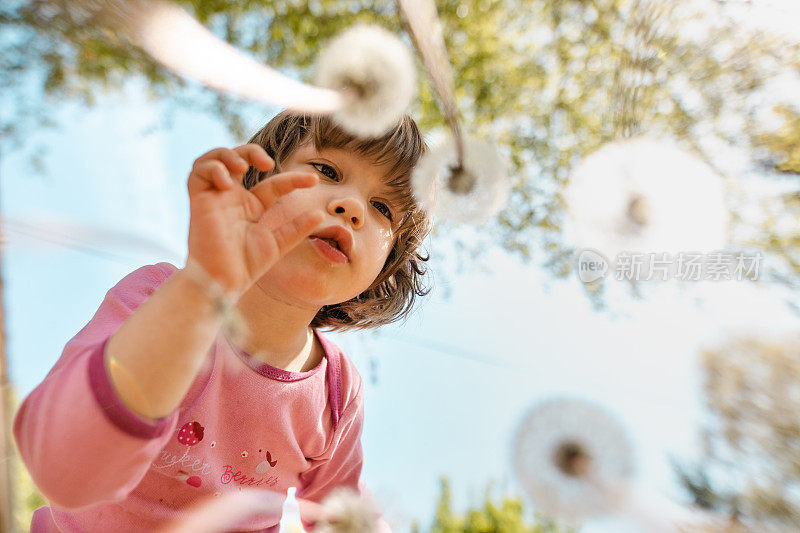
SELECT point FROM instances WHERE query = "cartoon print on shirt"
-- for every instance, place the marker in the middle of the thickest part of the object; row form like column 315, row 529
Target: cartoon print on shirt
column 237, row 476
column 186, row 461
column 263, row 466
column 194, row 481
column 191, row 433
column 230, row 475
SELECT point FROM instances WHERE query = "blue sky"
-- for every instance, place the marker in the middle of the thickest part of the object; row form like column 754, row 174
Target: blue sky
column 450, row 384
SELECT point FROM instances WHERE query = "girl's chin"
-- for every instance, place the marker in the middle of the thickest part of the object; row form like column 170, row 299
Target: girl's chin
column 303, row 280
column 299, row 290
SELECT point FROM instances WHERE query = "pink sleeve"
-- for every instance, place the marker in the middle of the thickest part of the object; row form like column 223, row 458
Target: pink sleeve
column 341, row 469
column 81, row 444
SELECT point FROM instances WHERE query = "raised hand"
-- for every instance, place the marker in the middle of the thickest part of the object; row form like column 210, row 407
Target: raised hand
column 228, row 231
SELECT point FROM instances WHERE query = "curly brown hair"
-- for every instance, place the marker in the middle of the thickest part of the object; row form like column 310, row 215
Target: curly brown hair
column 391, row 296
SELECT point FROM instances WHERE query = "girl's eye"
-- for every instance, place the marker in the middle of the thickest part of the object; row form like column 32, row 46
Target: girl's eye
column 326, row 170
column 383, row 209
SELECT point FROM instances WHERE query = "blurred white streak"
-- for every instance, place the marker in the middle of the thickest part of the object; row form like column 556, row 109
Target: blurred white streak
column 112, row 244
column 645, row 195
column 224, row 512
column 180, row 43
column 184, row 46
column 425, row 29
column 291, row 512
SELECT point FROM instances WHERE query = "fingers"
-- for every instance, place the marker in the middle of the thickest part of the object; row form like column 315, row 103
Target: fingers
column 269, row 190
column 293, row 232
column 212, row 173
column 223, row 168
column 256, row 156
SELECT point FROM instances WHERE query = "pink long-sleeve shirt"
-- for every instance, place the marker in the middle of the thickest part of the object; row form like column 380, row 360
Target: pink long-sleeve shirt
column 243, row 424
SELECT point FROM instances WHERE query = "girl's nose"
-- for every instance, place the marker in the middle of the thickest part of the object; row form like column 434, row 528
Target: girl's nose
column 350, row 208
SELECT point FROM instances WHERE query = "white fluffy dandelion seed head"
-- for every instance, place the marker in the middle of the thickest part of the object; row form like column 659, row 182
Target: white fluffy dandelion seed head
column 345, row 511
column 473, row 197
column 573, row 459
column 376, row 70
column 645, row 195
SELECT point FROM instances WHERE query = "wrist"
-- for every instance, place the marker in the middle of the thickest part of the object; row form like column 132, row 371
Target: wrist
column 223, row 302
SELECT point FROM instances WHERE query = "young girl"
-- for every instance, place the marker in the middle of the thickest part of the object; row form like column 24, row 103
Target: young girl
column 153, row 406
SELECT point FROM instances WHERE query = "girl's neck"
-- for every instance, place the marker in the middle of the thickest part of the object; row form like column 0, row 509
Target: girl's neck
column 278, row 332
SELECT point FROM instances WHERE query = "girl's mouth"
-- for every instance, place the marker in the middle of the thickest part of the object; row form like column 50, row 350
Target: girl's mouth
column 328, row 250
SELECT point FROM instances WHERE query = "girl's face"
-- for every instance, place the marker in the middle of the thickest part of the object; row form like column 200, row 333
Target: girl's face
column 353, row 196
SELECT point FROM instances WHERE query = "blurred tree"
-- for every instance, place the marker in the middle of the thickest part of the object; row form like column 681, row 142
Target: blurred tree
column 26, row 497
column 550, row 80
column 784, row 144
column 750, row 468
column 503, row 517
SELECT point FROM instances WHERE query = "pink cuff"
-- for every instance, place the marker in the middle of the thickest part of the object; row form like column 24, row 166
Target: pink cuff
column 114, row 408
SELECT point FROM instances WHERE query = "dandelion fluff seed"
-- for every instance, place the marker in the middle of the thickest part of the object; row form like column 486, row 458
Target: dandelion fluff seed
column 573, row 459
column 375, row 70
column 471, row 194
column 645, row 195
column 345, row 511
